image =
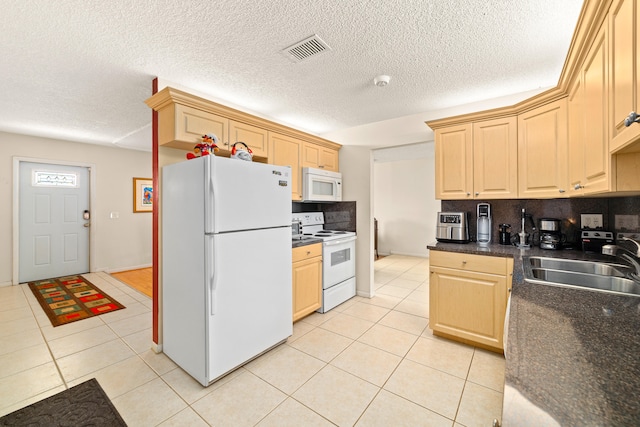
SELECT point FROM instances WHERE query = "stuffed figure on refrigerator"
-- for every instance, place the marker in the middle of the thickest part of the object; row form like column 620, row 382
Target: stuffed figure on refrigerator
column 208, row 146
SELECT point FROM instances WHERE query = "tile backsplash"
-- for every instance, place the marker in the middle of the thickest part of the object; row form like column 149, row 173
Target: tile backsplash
column 568, row 210
column 337, row 215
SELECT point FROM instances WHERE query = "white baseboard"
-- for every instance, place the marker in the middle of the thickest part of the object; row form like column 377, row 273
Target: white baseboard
column 409, row 254
column 3, row 284
column 156, row 348
column 363, row 294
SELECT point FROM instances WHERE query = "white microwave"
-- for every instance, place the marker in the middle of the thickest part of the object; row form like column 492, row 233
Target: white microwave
column 319, row 185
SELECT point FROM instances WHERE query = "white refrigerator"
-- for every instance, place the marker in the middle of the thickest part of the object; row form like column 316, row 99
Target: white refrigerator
column 226, row 263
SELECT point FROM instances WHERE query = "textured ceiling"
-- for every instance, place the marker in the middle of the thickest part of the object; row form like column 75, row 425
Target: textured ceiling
column 81, row 69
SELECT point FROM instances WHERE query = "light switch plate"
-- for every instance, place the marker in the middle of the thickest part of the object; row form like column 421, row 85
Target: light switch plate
column 590, row 221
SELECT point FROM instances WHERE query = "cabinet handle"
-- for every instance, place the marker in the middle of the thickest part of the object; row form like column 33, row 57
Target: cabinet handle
column 561, row 190
column 468, row 194
column 578, row 186
column 477, row 193
column 631, row 118
column 308, row 252
column 464, row 262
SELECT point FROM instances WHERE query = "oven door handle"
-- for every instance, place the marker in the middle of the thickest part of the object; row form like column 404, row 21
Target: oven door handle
column 340, row 241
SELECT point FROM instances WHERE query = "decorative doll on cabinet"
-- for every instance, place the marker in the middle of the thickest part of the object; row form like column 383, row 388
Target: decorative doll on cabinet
column 208, row 146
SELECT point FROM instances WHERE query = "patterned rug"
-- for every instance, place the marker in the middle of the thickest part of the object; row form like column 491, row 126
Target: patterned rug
column 85, row 404
column 70, row 298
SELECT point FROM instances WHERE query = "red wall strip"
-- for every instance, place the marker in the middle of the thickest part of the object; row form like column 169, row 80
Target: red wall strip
column 154, row 261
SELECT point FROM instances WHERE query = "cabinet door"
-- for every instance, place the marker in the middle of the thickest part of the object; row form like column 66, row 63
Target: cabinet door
column 576, row 127
column 307, row 286
column 287, row 151
column 542, row 151
column 624, row 88
column 190, row 125
column 468, row 305
column 597, row 160
column 329, row 159
column 254, row 137
column 495, row 159
column 454, row 162
column 317, row 156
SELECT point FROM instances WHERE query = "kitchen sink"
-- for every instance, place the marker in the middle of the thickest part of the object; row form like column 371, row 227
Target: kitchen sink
column 590, row 275
column 591, row 267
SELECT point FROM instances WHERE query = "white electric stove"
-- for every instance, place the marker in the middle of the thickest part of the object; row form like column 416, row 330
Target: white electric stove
column 338, row 259
column 313, row 227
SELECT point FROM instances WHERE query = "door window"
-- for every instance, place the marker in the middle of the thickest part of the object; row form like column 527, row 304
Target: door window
column 54, row 179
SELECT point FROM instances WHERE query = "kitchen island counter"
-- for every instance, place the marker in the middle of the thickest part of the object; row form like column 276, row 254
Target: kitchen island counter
column 573, row 355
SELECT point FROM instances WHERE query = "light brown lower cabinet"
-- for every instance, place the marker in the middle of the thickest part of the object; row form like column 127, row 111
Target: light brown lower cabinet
column 307, row 280
column 468, row 297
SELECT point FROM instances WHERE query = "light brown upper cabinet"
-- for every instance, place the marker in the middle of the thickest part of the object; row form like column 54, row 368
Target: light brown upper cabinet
column 454, row 162
column 576, row 129
column 590, row 163
column 183, row 118
column 477, row 161
column 287, row 151
column 317, row 156
column 255, row 137
column 624, row 80
column 572, row 140
column 495, row 158
column 182, row 126
column 542, row 151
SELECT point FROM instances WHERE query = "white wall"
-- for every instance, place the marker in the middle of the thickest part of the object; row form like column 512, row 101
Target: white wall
column 355, row 165
column 404, row 199
column 119, row 244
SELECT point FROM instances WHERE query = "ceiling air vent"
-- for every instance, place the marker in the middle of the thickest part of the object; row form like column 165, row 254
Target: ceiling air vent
column 307, row 48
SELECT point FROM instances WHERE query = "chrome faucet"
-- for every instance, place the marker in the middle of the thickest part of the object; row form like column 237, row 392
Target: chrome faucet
column 632, row 257
column 637, row 254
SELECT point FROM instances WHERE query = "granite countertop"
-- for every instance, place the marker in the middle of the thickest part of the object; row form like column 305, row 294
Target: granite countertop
column 573, row 355
column 296, row 243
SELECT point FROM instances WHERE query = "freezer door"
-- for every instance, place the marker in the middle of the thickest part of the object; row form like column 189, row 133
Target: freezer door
column 243, row 195
column 249, row 300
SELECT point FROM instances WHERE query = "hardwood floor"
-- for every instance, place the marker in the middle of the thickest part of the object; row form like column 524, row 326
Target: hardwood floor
column 141, row 279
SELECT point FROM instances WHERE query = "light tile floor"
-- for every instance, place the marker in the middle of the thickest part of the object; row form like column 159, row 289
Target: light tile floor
column 368, row 362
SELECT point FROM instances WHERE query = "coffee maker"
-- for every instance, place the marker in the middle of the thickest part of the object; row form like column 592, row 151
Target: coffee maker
column 550, row 235
column 484, row 224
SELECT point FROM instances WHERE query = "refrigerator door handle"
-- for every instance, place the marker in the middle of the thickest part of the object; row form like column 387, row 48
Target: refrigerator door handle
column 210, row 200
column 212, row 277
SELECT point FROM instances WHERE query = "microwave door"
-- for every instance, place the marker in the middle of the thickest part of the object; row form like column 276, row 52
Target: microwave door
column 324, row 189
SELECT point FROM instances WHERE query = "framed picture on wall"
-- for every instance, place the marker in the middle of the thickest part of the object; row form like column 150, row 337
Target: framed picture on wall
column 142, row 195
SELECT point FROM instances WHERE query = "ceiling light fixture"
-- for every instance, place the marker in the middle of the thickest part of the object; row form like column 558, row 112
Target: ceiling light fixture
column 381, row 80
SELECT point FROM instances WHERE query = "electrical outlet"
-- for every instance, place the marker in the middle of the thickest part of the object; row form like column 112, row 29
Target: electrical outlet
column 591, row 221
column 626, row 222
column 114, row 215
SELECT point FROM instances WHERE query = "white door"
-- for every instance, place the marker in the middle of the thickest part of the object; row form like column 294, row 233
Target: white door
column 54, row 236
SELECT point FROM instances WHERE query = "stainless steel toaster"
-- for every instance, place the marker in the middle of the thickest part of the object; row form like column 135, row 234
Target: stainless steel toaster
column 452, row 227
